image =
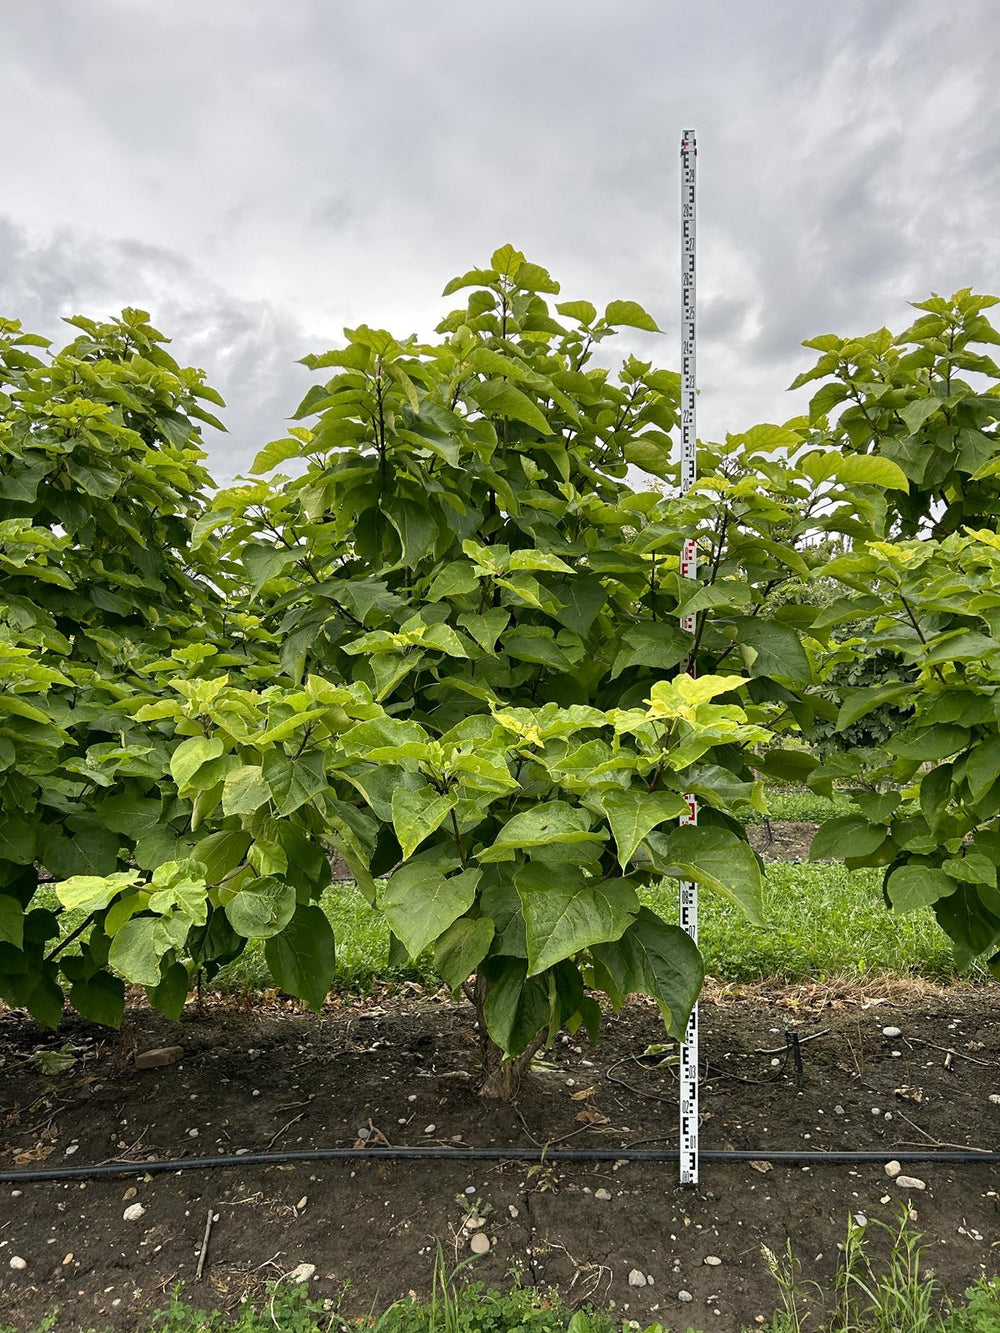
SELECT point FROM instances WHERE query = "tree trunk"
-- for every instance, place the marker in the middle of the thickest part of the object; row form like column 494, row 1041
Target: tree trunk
column 501, row 1078
column 501, row 1075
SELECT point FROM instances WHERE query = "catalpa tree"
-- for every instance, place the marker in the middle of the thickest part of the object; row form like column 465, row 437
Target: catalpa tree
column 460, row 542
column 928, row 400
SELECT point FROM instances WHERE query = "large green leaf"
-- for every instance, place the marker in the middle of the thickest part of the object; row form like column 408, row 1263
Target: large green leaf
column 220, row 853
column 962, row 645
column 500, row 398
column 772, row 649
column 632, row 814
column 416, row 814
column 171, row 991
column 302, row 958
column 567, row 912
column 713, row 857
column 918, row 410
column 655, row 959
column 101, row 998
column 420, row 903
column 631, row 315
column 871, row 470
column 140, row 944
column 261, row 908
column 245, row 790
column 17, row 841
column 928, row 743
column 91, row 850
column 846, row 835
column 130, row 813
column 190, row 755
column 461, row 948
column 91, row 893
column 982, row 767
column 657, row 644
column 516, row 1007
column 415, row 525
column 548, row 823
column 579, row 310
column 857, row 703
column 912, row 886
column 968, row 922
column 294, row 781
column 456, row 579
column 11, row 921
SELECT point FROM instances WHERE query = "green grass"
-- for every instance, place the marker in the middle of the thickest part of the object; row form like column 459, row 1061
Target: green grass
column 804, row 805
column 822, row 920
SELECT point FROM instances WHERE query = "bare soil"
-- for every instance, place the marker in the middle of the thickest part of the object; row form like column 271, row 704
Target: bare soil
column 398, row 1067
column 782, row 840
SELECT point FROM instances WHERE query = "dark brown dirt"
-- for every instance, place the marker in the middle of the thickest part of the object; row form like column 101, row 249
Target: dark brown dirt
column 782, row 840
column 401, row 1066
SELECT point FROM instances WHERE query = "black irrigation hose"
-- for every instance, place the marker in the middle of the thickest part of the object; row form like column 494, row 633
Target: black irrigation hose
column 782, row 1157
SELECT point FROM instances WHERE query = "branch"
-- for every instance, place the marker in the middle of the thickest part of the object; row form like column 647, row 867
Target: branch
column 920, row 634
column 73, row 935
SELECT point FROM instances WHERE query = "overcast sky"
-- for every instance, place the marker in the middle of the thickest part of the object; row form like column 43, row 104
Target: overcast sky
column 260, row 174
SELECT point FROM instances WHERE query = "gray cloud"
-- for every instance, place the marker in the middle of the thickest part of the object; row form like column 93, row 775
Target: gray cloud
column 260, row 176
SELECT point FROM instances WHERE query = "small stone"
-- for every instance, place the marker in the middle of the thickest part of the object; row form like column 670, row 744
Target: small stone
column 474, row 1223
column 910, row 1183
column 514, row 1212
column 429, row 1129
column 712, row 1260
column 636, row 1278
column 885, row 1198
column 68, row 1259
column 130, row 1193
column 302, row 1203
column 684, row 1297
column 995, row 1098
column 73, row 1147
column 470, row 1189
column 17, row 1263
column 158, row 1057
column 133, row 1212
column 480, row 1243
column 602, row 1194
column 16, row 1194
column 860, row 1220
column 302, row 1273
column 892, row 1032
column 892, row 1169
column 839, row 1110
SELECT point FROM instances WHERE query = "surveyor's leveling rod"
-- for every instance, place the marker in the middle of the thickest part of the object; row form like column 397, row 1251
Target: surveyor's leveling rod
column 689, row 570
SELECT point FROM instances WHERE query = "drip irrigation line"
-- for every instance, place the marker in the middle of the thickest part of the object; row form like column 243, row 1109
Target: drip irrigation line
column 778, row 1157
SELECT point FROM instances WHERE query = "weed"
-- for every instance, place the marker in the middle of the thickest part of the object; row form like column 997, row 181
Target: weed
column 886, row 1299
column 893, row 1295
column 981, row 1312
